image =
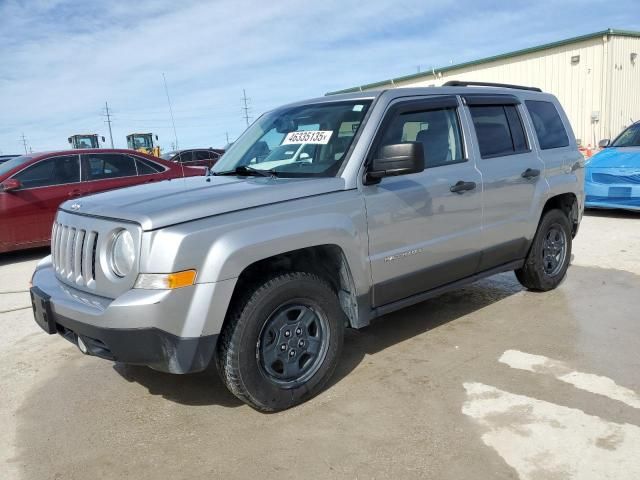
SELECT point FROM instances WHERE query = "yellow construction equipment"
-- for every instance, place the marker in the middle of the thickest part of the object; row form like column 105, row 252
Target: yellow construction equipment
column 87, row 140
column 143, row 142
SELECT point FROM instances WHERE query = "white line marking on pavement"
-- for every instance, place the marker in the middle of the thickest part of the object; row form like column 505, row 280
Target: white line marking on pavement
column 584, row 381
column 543, row 440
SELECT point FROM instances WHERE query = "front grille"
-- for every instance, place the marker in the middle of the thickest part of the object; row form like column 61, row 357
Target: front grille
column 73, row 253
column 610, row 179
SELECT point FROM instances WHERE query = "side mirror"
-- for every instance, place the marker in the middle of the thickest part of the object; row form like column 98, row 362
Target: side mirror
column 102, row 139
column 397, row 159
column 69, row 140
column 156, row 138
column 10, row 185
column 604, row 143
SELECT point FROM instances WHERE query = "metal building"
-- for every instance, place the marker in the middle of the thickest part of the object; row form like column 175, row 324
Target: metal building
column 596, row 77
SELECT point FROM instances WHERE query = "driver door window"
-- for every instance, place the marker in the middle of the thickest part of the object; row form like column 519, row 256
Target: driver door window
column 50, row 172
column 185, row 157
column 438, row 130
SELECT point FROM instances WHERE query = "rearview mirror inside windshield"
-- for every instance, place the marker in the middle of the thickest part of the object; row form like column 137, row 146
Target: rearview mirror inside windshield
column 286, row 125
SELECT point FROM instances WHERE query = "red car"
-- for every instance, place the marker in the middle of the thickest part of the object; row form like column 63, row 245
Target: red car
column 33, row 186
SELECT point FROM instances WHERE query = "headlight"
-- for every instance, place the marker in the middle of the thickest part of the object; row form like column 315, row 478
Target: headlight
column 122, row 253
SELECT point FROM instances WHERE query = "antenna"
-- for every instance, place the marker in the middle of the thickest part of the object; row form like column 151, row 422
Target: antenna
column 245, row 106
column 24, row 142
column 166, row 90
column 227, row 135
column 108, row 121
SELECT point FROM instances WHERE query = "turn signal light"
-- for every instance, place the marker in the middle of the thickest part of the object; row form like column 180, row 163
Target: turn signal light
column 165, row 281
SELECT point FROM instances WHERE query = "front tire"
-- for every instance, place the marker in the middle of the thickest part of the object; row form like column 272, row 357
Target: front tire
column 548, row 259
column 281, row 341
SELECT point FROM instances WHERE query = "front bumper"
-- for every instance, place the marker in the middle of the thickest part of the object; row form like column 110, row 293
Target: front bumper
column 173, row 331
column 624, row 196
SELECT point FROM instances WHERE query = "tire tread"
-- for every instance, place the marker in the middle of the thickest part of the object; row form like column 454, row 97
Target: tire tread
column 227, row 347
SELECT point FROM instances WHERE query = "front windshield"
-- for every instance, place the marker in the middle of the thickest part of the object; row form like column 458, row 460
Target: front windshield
column 14, row 162
column 629, row 138
column 303, row 141
column 87, row 142
column 142, row 141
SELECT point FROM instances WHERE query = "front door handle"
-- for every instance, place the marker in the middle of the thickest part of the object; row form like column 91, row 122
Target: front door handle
column 530, row 173
column 75, row 193
column 462, row 186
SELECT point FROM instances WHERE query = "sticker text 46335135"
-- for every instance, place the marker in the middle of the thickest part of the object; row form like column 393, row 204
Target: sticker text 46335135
column 317, row 137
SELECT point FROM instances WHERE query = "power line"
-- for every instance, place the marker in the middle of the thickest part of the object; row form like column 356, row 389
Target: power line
column 108, row 121
column 175, row 133
column 24, row 142
column 245, row 106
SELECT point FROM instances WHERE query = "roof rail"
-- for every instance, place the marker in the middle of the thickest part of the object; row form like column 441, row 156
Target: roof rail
column 458, row 83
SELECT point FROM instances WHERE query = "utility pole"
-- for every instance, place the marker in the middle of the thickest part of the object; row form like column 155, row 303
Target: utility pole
column 245, row 107
column 108, row 122
column 24, row 142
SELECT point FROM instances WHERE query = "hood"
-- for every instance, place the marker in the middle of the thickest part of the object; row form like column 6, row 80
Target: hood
column 157, row 205
column 616, row 157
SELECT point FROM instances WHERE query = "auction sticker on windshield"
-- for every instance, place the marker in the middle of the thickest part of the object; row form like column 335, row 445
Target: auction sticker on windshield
column 317, row 137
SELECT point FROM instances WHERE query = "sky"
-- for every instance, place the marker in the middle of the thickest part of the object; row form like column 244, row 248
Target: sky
column 61, row 60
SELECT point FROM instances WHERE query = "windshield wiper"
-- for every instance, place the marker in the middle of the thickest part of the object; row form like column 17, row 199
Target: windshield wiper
column 244, row 170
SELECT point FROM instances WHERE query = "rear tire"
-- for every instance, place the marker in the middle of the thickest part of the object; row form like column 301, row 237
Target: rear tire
column 281, row 342
column 548, row 259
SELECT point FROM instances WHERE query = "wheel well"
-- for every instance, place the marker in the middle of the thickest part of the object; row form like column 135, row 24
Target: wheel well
column 568, row 203
column 326, row 261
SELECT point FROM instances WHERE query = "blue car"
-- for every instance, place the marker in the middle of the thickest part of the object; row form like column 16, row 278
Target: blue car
column 612, row 177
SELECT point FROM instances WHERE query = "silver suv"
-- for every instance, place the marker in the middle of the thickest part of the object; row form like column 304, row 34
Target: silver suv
column 323, row 215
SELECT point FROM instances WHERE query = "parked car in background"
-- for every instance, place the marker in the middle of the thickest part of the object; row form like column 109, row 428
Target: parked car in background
column 4, row 158
column 32, row 186
column 201, row 157
column 612, row 177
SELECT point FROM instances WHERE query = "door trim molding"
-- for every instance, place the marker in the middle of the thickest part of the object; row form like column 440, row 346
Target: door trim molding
column 421, row 297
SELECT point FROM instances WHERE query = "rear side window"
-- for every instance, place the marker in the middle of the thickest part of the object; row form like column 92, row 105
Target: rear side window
column 50, row 172
column 499, row 130
column 146, row 167
column 202, row 155
column 548, row 124
column 102, row 166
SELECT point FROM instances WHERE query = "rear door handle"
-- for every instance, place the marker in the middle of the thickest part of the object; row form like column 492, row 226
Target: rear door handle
column 75, row 193
column 530, row 173
column 462, row 186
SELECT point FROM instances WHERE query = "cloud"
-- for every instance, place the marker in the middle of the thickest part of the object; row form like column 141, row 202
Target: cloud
column 61, row 60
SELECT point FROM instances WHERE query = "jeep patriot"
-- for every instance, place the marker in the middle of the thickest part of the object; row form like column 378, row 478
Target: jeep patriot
column 323, row 215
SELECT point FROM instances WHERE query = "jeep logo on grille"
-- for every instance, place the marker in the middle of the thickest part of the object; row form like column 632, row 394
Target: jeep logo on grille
column 75, row 206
